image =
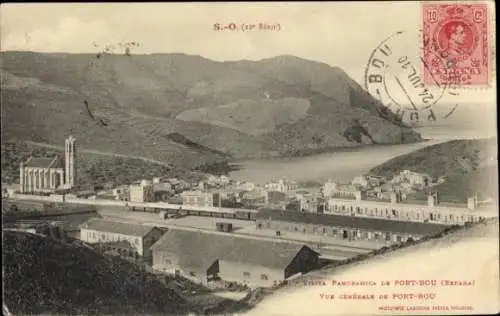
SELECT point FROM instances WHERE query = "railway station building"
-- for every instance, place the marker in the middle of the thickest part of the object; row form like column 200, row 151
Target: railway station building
column 344, row 227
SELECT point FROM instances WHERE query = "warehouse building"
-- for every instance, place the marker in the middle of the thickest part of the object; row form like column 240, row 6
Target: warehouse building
column 344, row 227
column 129, row 240
column 209, row 256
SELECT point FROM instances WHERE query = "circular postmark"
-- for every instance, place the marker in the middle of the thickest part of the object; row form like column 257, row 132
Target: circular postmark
column 394, row 75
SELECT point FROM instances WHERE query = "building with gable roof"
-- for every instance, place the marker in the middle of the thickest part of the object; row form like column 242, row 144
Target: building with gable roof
column 130, row 240
column 211, row 255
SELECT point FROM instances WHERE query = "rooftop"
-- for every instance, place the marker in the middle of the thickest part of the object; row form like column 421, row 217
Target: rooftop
column 54, row 162
column 351, row 221
column 116, row 227
column 198, row 249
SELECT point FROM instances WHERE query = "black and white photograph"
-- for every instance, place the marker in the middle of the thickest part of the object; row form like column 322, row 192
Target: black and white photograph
column 249, row 158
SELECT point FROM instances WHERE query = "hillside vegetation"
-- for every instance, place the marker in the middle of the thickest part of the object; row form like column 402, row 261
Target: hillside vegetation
column 95, row 170
column 131, row 104
column 468, row 167
column 42, row 275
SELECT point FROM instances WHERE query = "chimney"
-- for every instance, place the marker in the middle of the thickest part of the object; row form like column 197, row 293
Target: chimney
column 471, row 203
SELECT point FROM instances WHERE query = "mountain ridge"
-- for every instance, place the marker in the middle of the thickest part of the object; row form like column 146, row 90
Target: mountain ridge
column 139, row 99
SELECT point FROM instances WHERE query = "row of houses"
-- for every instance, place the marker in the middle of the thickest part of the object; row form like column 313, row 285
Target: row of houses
column 406, row 182
column 430, row 211
column 232, row 198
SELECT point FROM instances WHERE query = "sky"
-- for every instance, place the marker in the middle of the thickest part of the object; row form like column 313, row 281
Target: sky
column 340, row 34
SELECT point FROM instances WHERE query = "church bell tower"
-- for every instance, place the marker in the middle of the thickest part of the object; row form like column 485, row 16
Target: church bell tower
column 69, row 162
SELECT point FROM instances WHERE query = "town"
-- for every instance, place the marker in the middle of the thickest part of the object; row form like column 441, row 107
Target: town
column 222, row 230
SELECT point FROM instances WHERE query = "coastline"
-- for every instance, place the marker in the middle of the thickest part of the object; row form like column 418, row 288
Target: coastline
column 321, row 151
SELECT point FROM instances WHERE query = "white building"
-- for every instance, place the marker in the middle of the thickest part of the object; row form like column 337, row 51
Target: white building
column 199, row 198
column 285, row 186
column 329, row 188
column 141, row 192
column 413, row 178
column 224, row 180
column 360, row 181
column 308, row 202
column 129, row 240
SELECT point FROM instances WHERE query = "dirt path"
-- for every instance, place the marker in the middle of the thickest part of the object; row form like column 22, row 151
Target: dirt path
column 97, row 152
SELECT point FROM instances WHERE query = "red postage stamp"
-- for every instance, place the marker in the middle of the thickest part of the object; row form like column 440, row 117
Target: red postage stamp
column 455, row 44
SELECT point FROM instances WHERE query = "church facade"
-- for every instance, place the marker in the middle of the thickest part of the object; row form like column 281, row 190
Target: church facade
column 45, row 175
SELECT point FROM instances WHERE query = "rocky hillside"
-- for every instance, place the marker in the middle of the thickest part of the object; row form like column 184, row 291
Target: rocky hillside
column 134, row 104
column 42, row 275
column 467, row 166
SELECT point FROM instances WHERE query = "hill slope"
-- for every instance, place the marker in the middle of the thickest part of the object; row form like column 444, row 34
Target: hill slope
column 42, row 275
column 468, row 166
column 96, row 169
column 281, row 105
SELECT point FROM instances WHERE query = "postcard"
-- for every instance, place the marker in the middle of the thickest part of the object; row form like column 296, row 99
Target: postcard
column 250, row 158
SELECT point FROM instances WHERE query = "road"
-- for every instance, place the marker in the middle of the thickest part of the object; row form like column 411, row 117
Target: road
column 97, row 152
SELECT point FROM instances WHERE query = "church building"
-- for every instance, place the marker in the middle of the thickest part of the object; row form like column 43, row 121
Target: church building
column 45, row 175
